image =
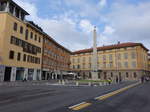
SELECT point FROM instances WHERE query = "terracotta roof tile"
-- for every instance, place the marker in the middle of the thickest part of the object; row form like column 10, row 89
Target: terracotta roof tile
column 109, row 47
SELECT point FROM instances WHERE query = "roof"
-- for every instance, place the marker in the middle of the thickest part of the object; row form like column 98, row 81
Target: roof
column 35, row 25
column 49, row 37
column 39, row 29
column 109, row 47
column 17, row 6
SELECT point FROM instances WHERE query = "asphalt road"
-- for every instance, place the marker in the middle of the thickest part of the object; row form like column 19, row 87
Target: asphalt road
column 135, row 99
column 60, row 98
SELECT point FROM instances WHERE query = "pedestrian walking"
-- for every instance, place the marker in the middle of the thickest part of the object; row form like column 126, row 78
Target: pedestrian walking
column 109, row 81
column 142, row 79
column 117, row 79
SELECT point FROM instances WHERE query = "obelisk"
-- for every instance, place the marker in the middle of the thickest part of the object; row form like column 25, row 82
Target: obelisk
column 94, row 57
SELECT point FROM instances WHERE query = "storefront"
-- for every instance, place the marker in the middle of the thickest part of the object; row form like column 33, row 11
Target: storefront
column 30, row 74
column 19, row 73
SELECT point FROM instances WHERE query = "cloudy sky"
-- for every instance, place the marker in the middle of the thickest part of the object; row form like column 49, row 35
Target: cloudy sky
column 70, row 22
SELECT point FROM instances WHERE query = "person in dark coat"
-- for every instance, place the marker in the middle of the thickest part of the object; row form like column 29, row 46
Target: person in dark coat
column 117, row 80
column 142, row 79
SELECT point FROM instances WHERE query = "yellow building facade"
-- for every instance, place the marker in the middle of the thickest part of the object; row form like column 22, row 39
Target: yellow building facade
column 20, row 44
column 149, row 63
column 125, row 61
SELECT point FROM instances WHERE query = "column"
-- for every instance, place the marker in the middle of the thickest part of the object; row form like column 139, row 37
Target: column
column 20, row 14
column 25, row 74
column 14, row 11
column 13, row 74
column 52, row 75
column 35, row 74
column 7, row 7
column 46, row 75
column 94, row 57
column 2, row 72
column 40, row 74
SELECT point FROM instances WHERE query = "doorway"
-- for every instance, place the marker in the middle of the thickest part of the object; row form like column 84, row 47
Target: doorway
column 19, row 75
column 7, row 74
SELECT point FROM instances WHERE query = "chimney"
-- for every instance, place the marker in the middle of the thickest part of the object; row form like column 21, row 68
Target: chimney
column 118, row 42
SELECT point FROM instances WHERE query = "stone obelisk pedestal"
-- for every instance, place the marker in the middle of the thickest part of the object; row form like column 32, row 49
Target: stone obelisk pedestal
column 94, row 57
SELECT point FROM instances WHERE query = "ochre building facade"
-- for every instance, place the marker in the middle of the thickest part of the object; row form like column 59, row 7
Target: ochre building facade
column 56, row 60
column 125, row 61
column 26, row 51
column 20, row 44
column 149, row 63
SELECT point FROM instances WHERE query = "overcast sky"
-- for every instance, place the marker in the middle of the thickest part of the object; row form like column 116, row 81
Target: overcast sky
column 70, row 22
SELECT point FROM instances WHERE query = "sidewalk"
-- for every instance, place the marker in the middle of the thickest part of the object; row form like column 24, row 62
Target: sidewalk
column 27, row 83
column 56, row 83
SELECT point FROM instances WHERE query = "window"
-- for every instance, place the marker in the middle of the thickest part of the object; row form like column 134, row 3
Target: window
column 104, row 64
column 27, row 47
column 26, row 35
column 89, row 59
column 15, row 26
column 78, row 60
column 134, row 64
column 73, row 66
column 19, row 57
column 119, row 64
column 111, row 64
column 104, row 57
column 3, row 6
column 24, row 57
column 133, row 55
column 119, row 56
column 110, row 57
column 35, row 37
column 21, row 29
column 78, row 66
column 31, row 35
column 127, row 74
column 125, row 55
column 11, row 55
column 126, row 64
column 39, row 39
column 83, row 59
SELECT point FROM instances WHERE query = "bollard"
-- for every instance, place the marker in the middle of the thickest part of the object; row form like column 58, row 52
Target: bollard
column 59, row 82
column 77, row 83
column 100, row 84
column 89, row 84
column 63, row 82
